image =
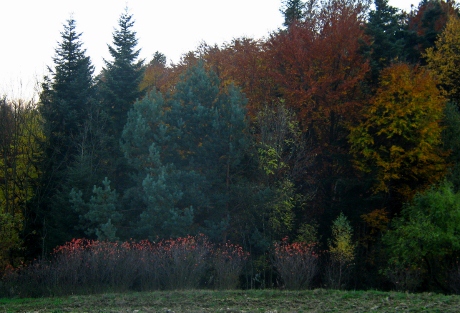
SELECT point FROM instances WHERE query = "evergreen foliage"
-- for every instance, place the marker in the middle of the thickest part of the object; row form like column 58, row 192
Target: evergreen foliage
column 292, row 10
column 120, row 79
column 333, row 122
column 424, row 25
column 97, row 216
column 187, row 152
column 385, row 26
column 451, row 144
column 67, row 105
column 67, row 96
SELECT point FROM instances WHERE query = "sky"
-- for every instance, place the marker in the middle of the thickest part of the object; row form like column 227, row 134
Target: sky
column 30, row 30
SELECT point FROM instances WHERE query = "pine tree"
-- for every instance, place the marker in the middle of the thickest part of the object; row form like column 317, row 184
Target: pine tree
column 187, row 152
column 120, row 79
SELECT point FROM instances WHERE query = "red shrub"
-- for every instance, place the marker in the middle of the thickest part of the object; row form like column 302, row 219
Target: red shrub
column 228, row 261
column 296, row 263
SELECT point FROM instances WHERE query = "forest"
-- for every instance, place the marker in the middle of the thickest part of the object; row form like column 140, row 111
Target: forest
column 333, row 143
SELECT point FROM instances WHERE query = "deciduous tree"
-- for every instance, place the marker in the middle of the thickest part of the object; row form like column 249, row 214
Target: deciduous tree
column 399, row 137
column 444, row 59
column 318, row 69
column 425, row 235
column 20, row 152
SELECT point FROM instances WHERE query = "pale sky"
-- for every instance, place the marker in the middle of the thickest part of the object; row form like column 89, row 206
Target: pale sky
column 30, row 30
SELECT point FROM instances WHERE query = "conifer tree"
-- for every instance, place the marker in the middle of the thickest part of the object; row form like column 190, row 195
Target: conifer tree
column 67, row 95
column 386, row 28
column 120, row 79
column 67, row 105
column 187, row 152
column 293, row 10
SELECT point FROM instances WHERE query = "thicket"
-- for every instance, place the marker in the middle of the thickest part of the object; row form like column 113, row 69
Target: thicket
column 91, row 266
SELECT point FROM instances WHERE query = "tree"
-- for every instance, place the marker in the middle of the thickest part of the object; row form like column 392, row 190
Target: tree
column 120, row 79
column 425, row 236
column 424, row 25
column 67, row 96
column 281, row 158
column 156, row 75
column 67, row 105
column 385, row 26
column 242, row 62
column 451, row 143
column 341, row 251
column 20, row 136
column 101, row 215
column 444, row 59
column 399, row 137
column 292, row 10
column 317, row 68
column 187, row 152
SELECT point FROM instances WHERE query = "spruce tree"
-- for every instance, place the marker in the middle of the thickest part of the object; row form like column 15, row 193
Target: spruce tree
column 292, row 10
column 385, row 26
column 67, row 106
column 67, row 95
column 120, row 79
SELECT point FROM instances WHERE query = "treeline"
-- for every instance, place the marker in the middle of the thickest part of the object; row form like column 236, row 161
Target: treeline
column 340, row 132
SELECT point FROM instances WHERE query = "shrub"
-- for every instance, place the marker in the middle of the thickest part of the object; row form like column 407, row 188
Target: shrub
column 454, row 278
column 296, row 263
column 87, row 266
column 227, row 264
column 404, row 278
column 183, row 261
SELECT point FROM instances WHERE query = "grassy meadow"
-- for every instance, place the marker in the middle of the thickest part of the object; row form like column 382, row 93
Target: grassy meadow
column 318, row 300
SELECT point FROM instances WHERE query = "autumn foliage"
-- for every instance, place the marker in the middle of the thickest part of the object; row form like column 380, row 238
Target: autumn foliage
column 340, row 113
column 444, row 59
column 87, row 266
column 400, row 135
column 296, row 263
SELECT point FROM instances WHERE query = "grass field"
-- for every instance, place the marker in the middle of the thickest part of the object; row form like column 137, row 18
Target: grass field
column 319, row 300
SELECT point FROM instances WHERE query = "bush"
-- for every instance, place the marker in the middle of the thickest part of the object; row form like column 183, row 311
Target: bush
column 454, row 278
column 296, row 263
column 183, row 261
column 88, row 266
column 227, row 264
column 404, row 278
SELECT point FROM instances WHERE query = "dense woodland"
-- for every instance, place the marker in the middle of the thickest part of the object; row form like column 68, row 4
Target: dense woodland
column 340, row 130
